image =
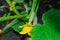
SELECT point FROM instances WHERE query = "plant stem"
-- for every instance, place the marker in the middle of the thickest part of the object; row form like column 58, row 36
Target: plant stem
column 35, row 20
column 8, row 27
column 37, row 6
column 32, row 14
column 16, row 12
column 13, row 17
column 33, row 11
column 26, row 7
column 33, row 5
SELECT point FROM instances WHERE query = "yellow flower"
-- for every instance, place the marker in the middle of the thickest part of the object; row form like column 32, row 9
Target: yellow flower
column 26, row 28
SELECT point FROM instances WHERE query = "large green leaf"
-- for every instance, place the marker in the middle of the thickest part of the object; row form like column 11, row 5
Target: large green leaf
column 52, row 18
column 47, row 31
column 44, row 33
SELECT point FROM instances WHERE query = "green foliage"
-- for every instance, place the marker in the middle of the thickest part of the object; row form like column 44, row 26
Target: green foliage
column 36, row 32
column 4, row 15
column 9, row 26
column 58, row 2
column 8, row 14
column 19, row 1
column 13, row 7
column 18, row 7
column 15, row 26
column 30, row 3
column 47, row 31
column 52, row 18
column 23, row 17
column 2, row 6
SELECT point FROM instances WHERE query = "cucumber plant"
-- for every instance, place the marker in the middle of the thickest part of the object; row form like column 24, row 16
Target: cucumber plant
column 49, row 30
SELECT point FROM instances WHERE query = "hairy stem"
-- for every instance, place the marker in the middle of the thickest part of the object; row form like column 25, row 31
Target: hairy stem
column 13, row 17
